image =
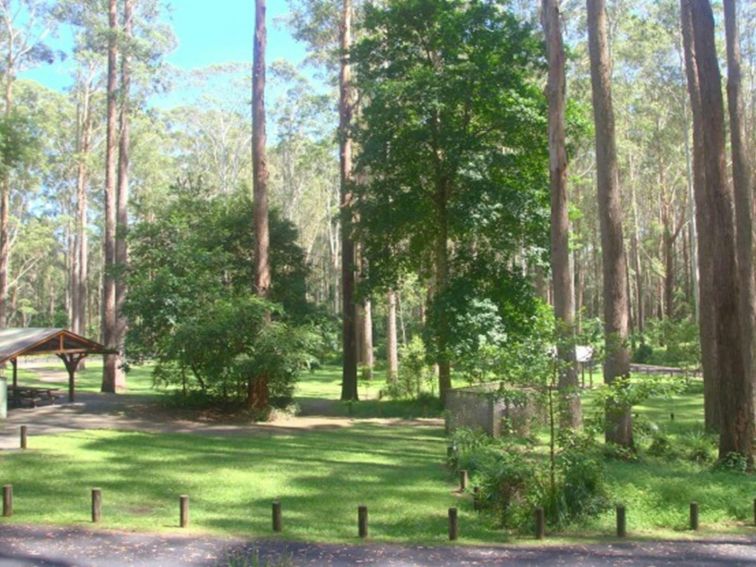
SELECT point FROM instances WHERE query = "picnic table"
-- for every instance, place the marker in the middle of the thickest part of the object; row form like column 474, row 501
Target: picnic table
column 31, row 397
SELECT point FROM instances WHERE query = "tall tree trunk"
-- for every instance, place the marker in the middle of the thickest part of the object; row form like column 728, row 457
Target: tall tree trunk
column 259, row 162
column 257, row 391
column 441, row 262
column 5, row 190
column 579, row 292
column 79, row 296
column 707, row 328
column 735, row 393
column 635, row 251
column 617, row 360
column 743, row 188
column 392, row 351
column 692, row 221
column 564, row 304
column 122, row 215
column 349, row 345
column 366, row 344
column 109, row 369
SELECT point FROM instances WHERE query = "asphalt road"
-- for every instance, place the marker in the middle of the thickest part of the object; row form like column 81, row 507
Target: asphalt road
column 64, row 547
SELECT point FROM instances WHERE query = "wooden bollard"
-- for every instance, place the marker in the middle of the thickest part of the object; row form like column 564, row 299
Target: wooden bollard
column 183, row 511
column 540, row 523
column 453, row 524
column 362, row 521
column 23, row 437
column 463, row 480
column 277, row 519
column 96, row 505
column 8, row 500
column 476, row 498
column 694, row 515
column 621, row 521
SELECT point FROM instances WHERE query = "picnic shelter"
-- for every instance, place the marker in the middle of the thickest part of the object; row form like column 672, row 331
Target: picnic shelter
column 69, row 347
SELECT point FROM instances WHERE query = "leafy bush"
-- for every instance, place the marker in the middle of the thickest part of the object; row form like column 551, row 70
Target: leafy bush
column 414, row 372
column 643, row 353
column 699, row 447
column 734, row 462
column 219, row 350
column 583, row 492
column 623, row 394
column 514, row 480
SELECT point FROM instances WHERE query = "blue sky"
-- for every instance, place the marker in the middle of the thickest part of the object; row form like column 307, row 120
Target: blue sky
column 208, row 32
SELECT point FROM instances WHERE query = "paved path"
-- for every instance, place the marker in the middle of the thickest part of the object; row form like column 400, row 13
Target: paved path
column 63, row 547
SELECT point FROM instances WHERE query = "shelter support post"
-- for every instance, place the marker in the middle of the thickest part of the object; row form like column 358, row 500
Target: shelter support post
column 72, row 363
column 14, row 362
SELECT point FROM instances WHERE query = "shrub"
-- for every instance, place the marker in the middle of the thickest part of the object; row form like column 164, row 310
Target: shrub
column 699, row 447
column 513, row 480
column 734, row 462
column 218, row 351
column 643, row 353
column 414, row 372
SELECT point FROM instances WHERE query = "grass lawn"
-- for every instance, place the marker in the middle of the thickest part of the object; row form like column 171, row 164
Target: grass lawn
column 325, row 384
column 322, row 475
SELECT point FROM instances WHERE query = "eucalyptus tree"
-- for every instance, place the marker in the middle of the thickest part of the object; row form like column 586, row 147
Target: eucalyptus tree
column 735, row 386
column 112, row 376
column 742, row 181
column 619, row 428
column 563, row 281
column 453, row 156
column 257, row 394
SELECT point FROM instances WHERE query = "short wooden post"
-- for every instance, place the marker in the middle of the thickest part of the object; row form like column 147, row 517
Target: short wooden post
column 277, row 519
column 362, row 521
column 694, row 515
column 453, row 524
column 754, row 511
column 621, row 521
column 8, row 500
column 476, row 498
column 24, row 431
column 463, row 480
column 183, row 510
column 540, row 523
column 96, row 505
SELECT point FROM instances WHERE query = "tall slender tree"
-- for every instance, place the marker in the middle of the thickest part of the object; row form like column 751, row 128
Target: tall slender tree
column 564, row 304
column 109, row 334
column 704, row 229
column 349, row 342
column 735, row 392
column 259, row 161
column 258, row 386
column 81, row 249
column 743, row 188
column 392, row 354
column 122, row 195
column 619, row 428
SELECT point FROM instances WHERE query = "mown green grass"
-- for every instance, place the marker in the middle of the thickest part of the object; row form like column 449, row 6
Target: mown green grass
column 325, row 384
column 320, row 476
